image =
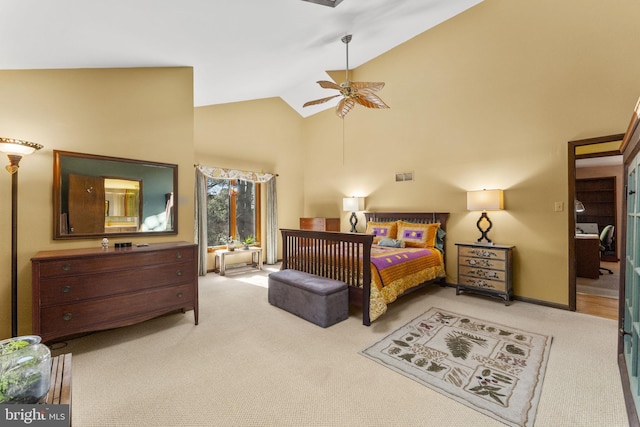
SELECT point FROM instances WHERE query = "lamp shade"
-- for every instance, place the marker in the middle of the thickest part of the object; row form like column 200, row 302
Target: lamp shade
column 485, row 200
column 18, row 147
column 353, row 204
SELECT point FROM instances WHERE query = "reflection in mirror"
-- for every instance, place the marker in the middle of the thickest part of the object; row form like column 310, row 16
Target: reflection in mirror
column 97, row 195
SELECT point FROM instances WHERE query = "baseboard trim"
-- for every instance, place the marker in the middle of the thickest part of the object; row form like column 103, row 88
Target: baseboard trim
column 530, row 300
column 544, row 303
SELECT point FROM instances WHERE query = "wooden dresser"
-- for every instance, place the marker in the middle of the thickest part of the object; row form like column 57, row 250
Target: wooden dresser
column 84, row 290
column 486, row 270
column 320, row 224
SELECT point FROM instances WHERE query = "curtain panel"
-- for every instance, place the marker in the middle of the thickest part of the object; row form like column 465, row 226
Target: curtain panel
column 200, row 227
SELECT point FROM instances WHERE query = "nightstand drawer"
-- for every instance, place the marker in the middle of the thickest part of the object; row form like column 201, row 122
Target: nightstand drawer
column 484, row 284
column 482, row 252
column 482, row 263
column 482, row 273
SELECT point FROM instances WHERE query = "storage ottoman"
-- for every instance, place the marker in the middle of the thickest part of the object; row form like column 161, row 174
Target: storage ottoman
column 319, row 300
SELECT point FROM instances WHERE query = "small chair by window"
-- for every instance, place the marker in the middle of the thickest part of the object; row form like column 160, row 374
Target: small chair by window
column 606, row 243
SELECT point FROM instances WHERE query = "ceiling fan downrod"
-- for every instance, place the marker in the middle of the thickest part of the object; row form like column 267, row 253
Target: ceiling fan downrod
column 346, row 39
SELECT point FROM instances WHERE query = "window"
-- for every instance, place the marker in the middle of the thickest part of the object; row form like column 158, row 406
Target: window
column 233, row 209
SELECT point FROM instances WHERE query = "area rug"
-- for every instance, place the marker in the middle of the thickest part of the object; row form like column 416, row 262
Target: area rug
column 492, row 368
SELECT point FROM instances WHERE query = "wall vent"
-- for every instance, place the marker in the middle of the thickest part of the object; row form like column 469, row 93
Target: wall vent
column 404, row 176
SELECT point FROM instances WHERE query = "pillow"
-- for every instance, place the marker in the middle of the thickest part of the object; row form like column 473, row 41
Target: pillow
column 418, row 235
column 391, row 243
column 440, row 239
column 382, row 229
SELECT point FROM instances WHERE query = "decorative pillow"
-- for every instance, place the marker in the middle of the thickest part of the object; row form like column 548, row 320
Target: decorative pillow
column 440, row 239
column 382, row 229
column 418, row 235
column 391, row 243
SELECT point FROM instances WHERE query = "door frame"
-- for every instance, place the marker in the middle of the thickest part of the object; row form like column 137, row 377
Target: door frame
column 571, row 214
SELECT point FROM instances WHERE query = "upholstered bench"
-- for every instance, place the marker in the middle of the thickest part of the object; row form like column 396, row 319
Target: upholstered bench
column 319, row 300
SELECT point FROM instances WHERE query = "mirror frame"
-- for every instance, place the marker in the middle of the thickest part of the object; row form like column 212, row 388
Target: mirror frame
column 57, row 196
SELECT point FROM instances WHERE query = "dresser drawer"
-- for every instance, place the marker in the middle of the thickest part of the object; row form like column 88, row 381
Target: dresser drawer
column 111, row 262
column 482, row 263
column 65, row 290
column 88, row 315
column 482, row 252
column 482, row 273
column 484, row 284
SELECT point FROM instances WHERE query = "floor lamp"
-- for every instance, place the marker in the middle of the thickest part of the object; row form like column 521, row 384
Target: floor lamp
column 15, row 149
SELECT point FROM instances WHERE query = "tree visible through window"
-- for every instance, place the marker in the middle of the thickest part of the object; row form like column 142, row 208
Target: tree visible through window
column 232, row 210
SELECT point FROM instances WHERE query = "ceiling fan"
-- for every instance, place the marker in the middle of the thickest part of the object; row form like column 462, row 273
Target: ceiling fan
column 352, row 92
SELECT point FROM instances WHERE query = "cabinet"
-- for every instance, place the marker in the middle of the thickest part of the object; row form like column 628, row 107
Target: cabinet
column 84, row 290
column 598, row 195
column 486, row 270
column 320, row 224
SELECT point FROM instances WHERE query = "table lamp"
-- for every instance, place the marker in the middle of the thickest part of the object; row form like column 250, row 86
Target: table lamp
column 485, row 200
column 353, row 204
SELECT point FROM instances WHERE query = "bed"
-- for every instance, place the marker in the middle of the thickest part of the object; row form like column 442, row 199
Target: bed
column 391, row 271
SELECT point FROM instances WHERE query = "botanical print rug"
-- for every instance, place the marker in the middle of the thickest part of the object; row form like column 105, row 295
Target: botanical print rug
column 492, row 368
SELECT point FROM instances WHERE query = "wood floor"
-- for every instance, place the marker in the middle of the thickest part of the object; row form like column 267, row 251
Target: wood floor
column 597, row 306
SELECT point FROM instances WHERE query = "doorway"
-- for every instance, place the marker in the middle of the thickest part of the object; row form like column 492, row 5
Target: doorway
column 595, row 184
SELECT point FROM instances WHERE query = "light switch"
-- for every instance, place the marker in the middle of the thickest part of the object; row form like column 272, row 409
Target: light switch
column 559, row 206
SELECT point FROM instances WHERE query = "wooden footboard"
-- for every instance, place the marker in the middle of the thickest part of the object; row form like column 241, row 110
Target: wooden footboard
column 339, row 256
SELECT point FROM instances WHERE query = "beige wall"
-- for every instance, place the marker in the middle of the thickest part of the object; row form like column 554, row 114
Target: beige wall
column 261, row 136
column 138, row 113
column 488, row 99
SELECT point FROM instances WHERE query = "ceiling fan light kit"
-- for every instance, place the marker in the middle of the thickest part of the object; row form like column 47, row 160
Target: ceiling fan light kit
column 352, row 92
column 330, row 3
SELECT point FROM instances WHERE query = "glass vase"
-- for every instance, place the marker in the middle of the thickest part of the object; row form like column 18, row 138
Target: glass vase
column 25, row 370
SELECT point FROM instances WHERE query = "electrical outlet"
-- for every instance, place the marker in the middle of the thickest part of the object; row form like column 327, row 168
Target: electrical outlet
column 559, row 207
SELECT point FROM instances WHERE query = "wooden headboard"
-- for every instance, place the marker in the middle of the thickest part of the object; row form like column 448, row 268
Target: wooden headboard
column 417, row 217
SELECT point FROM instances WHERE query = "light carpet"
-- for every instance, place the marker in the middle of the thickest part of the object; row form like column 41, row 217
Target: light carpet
column 495, row 369
column 249, row 364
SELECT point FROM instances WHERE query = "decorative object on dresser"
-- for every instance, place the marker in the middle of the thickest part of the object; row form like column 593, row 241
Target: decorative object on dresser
column 353, row 205
column 320, row 224
column 15, row 149
column 376, row 273
column 486, row 270
column 84, row 290
column 485, row 200
column 495, row 369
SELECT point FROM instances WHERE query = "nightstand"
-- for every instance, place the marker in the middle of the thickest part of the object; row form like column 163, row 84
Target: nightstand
column 486, row 270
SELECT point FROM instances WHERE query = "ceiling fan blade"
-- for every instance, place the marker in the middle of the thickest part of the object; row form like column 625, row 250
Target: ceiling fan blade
column 319, row 101
column 328, row 85
column 375, row 86
column 370, row 100
column 344, row 106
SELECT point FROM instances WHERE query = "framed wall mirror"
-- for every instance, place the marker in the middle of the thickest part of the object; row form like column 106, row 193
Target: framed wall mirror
column 100, row 196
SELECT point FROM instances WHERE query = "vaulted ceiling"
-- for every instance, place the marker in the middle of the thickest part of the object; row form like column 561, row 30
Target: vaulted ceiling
column 239, row 50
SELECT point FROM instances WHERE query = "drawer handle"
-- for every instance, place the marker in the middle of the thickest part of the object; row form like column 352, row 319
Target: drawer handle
column 179, row 294
column 178, row 272
column 179, row 255
column 66, row 289
column 66, row 267
column 67, row 316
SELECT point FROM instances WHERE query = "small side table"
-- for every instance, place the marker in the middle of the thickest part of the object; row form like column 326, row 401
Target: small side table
column 486, row 269
column 256, row 257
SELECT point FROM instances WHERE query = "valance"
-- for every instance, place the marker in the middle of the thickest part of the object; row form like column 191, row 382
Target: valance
column 224, row 173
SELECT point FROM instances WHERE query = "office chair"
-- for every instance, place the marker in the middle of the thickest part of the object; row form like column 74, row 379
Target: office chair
column 606, row 243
